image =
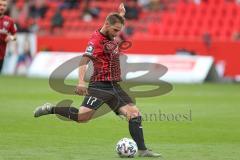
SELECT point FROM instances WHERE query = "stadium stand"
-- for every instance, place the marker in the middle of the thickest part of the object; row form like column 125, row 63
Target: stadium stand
column 204, row 27
column 179, row 19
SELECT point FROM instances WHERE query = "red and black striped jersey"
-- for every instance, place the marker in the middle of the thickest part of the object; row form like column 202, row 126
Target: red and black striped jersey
column 7, row 26
column 105, row 56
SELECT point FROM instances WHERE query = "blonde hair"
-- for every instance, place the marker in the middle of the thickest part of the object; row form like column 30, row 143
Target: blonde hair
column 114, row 17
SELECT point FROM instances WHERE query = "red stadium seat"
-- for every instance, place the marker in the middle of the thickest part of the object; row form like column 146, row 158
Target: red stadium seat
column 188, row 20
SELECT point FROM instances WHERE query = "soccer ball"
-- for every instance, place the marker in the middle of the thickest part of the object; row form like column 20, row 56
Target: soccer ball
column 126, row 148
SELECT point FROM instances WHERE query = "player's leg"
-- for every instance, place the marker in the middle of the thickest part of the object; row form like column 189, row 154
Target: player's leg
column 122, row 104
column 85, row 114
column 89, row 105
column 131, row 112
column 78, row 115
column 126, row 107
column 81, row 115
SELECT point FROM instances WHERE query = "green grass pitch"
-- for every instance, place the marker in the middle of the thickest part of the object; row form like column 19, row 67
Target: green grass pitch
column 211, row 133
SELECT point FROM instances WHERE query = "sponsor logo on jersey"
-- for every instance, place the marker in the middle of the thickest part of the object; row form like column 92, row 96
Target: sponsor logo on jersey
column 89, row 50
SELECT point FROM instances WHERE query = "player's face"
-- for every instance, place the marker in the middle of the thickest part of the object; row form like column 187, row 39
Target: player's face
column 3, row 6
column 114, row 30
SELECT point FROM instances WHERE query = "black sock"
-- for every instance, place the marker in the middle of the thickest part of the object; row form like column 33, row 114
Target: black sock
column 136, row 131
column 68, row 112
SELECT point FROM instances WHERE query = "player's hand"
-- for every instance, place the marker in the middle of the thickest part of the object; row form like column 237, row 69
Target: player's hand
column 81, row 90
column 10, row 38
column 121, row 10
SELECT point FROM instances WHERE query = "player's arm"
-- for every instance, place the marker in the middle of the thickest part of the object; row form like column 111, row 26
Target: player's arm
column 121, row 10
column 11, row 37
column 81, row 87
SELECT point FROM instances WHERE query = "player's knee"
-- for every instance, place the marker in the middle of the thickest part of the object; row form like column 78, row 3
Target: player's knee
column 84, row 115
column 133, row 113
column 83, row 119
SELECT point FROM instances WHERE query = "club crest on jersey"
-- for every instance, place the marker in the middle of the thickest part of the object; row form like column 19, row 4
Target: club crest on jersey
column 111, row 47
column 5, row 23
column 89, row 50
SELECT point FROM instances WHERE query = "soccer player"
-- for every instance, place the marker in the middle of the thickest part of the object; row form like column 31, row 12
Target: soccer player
column 7, row 31
column 103, row 51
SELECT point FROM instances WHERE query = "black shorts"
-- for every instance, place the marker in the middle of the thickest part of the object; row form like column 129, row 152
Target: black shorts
column 107, row 92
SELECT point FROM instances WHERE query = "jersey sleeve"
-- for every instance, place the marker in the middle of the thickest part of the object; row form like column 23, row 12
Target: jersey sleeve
column 93, row 50
column 13, row 28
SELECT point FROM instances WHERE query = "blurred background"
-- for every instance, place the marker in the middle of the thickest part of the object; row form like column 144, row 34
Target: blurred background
column 192, row 38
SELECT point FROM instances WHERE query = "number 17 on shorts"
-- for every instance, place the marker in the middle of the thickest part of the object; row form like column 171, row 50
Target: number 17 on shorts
column 92, row 102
